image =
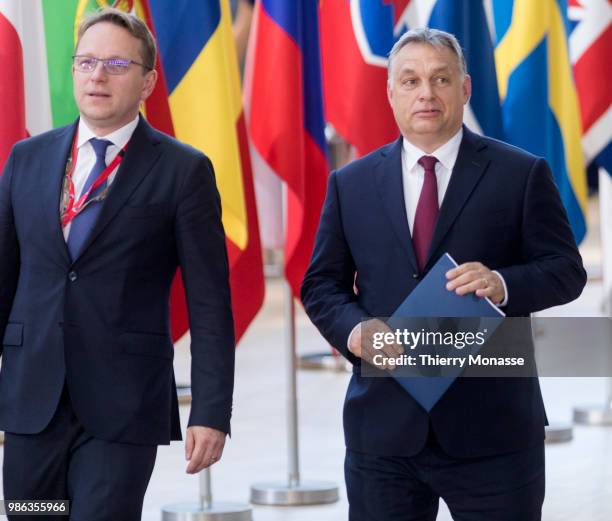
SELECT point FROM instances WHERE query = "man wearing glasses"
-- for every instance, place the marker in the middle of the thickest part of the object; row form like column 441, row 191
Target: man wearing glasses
column 95, row 218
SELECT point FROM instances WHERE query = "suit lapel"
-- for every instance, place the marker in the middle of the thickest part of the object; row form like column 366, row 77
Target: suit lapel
column 140, row 157
column 469, row 168
column 53, row 163
column 391, row 189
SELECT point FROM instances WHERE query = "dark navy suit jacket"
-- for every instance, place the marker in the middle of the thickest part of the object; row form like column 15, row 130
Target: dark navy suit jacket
column 100, row 322
column 501, row 208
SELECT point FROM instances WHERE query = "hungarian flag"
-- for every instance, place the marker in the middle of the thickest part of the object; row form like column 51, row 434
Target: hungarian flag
column 197, row 99
column 286, row 126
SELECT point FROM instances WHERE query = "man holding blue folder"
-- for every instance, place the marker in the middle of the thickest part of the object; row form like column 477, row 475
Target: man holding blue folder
column 387, row 218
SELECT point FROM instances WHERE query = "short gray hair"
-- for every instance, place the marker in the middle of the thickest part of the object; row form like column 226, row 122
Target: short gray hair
column 435, row 38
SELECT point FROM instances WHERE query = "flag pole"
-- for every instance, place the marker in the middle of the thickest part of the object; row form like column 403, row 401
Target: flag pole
column 294, row 491
column 206, row 509
column 340, row 153
column 601, row 414
column 206, row 500
column 292, row 412
column 556, row 431
column 598, row 414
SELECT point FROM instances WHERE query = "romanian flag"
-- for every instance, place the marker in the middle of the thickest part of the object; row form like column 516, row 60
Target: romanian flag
column 201, row 71
column 286, row 123
column 539, row 101
column 197, row 99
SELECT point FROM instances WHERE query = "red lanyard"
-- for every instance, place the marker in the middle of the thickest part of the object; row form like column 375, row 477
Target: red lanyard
column 72, row 208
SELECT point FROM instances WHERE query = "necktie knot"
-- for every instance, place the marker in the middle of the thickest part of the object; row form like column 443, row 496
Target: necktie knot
column 428, row 163
column 100, row 146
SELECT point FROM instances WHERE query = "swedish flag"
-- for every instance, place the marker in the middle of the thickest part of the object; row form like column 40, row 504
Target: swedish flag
column 540, row 108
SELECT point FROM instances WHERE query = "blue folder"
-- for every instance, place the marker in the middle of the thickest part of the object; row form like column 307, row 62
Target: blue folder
column 431, row 299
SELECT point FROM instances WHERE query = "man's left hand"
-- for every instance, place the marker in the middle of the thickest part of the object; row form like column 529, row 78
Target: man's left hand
column 475, row 277
column 203, row 447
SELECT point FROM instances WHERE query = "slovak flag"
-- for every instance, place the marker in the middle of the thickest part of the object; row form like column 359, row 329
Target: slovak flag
column 356, row 37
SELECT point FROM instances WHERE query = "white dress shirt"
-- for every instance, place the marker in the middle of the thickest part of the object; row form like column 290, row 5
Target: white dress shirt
column 86, row 157
column 413, row 176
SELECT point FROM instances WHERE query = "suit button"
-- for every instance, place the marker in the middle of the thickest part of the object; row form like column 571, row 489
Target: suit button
column 72, row 276
column 415, row 275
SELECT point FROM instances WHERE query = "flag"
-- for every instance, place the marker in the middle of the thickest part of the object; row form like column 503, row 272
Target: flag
column 286, row 122
column 197, row 98
column 591, row 55
column 356, row 37
column 516, row 51
column 539, row 102
column 12, row 102
column 201, row 69
column 590, row 46
column 37, row 87
column 468, row 22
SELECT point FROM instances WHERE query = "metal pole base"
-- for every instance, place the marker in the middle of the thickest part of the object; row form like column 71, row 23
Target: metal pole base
column 217, row 512
column 306, row 493
column 325, row 361
column 593, row 415
column 559, row 433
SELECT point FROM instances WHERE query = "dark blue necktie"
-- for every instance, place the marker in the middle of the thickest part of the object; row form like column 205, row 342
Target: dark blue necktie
column 83, row 223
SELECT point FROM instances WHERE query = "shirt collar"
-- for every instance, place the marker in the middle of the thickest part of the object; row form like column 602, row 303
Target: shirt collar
column 119, row 137
column 446, row 154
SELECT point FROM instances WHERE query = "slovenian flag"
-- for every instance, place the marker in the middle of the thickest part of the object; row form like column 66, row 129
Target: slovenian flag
column 285, row 120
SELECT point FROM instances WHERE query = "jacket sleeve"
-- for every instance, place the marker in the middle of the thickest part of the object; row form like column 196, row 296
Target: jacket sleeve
column 9, row 247
column 327, row 290
column 551, row 273
column 205, row 272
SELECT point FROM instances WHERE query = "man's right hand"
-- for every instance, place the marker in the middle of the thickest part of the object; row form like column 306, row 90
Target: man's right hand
column 361, row 343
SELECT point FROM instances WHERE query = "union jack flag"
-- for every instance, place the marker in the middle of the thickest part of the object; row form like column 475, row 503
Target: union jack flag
column 590, row 45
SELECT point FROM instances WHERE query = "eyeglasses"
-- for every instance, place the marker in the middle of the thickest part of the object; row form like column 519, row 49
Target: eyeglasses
column 115, row 66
